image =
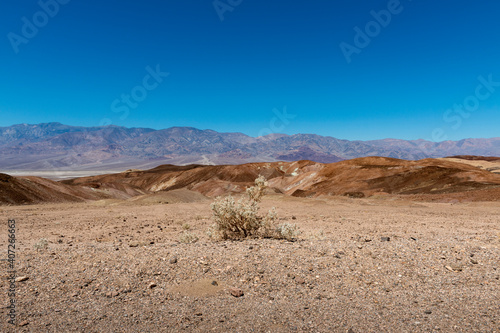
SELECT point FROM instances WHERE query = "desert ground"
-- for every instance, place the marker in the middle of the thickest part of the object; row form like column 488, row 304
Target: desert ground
column 379, row 264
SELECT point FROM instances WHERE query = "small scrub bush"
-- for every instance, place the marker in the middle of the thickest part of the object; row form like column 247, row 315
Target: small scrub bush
column 42, row 244
column 288, row 231
column 186, row 226
column 188, row 238
column 241, row 219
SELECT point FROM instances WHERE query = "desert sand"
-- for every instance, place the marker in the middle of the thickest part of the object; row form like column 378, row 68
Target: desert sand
column 378, row 264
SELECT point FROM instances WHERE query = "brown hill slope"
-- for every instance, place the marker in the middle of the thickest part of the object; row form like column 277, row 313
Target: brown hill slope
column 364, row 176
column 356, row 178
column 483, row 162
column 29, row 190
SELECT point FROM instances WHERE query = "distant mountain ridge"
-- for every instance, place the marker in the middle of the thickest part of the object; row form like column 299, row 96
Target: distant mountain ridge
column 54, row 146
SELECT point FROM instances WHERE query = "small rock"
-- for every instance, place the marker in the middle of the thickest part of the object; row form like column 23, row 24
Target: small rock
column 214, row 283
column 300, row 280
column 261, row 271
column 293, row 217
column 236, row 292
column 173, row 260
column 453, row 268
column 133, row 244
column 385, row 239
column 474, row 261
column 111, row 294
column 152, row 285
column 427, row 311
column 23, row 323
column 413, row 238
column 21, row 278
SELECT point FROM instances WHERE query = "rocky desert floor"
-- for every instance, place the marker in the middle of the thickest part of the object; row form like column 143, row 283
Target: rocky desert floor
column 381, row 264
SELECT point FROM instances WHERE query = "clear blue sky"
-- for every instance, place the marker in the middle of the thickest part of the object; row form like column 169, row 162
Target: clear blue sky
column 228, row 75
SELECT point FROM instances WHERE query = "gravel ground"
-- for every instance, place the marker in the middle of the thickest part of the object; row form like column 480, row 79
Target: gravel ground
column 360, row 265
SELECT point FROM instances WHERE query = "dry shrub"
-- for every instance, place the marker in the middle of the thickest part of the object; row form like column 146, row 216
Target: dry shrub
column 288, row 231
column 188, row 238
column 42, row 244
column 241, row 219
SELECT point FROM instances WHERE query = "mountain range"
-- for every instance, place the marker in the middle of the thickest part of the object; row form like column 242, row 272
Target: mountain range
column 54, row 146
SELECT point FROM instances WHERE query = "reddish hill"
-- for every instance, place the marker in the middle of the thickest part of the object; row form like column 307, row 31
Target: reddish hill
column 29, row 190
column 428, row 179
column 364, row 176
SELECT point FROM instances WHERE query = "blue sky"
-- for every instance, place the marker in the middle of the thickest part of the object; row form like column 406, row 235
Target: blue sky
column 239, row 73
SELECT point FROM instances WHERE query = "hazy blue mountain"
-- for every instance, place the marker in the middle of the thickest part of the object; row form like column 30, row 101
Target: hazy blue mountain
column 61, row 147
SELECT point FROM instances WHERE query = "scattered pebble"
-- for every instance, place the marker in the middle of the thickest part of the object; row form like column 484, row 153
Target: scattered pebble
column 453, row 268
column 300, row 280
column 236, row 292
